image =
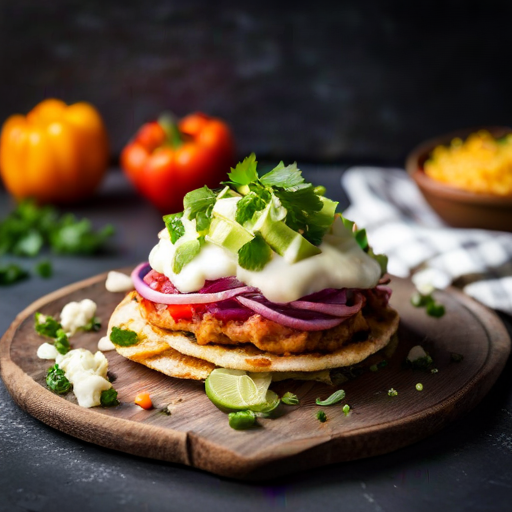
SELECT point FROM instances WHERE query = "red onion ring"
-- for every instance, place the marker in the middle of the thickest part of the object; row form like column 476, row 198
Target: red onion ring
column 181, row 298
column 341, row 310
column 317, row 324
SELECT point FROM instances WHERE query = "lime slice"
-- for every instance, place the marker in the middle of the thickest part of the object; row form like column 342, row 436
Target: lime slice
column 234, row 390
column 271, row 402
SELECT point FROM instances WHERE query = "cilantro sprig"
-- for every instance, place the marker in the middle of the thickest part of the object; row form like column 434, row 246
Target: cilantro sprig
column 284, row 186
column 47, row 326
column 30, row 228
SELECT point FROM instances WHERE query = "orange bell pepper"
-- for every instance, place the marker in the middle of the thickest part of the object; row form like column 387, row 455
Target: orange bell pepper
column 57, row 153
column 165, row 161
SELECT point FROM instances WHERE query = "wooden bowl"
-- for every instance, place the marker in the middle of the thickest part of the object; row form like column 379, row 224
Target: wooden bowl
column 455, row 206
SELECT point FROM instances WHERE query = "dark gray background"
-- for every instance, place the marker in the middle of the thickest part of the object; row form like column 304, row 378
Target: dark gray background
column 317, row 81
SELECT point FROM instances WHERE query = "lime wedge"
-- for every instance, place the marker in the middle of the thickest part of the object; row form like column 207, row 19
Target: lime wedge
column 234, row 390
column 271, row 402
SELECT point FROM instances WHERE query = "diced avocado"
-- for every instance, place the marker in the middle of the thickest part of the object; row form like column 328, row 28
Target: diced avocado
column 226, row 192
column 289, row 244
column 228, row 234
column 226, row 208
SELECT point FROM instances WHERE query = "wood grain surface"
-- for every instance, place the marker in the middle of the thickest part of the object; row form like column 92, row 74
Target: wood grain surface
column 197, row 433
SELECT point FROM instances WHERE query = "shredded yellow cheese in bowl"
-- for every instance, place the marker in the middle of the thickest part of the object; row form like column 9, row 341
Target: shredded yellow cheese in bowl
column 480, row 164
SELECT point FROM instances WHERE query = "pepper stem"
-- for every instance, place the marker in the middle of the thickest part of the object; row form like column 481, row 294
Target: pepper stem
column 170, row 126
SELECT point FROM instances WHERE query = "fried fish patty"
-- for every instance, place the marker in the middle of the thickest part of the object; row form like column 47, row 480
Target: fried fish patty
column 265, row 334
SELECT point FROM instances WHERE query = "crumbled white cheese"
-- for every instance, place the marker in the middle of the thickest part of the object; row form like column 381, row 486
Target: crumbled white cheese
column 416, row 352
column 88, row 390
column 76, row 315
column 105, row 344
column 47, row 351
column 118, row 282
column 79, row 363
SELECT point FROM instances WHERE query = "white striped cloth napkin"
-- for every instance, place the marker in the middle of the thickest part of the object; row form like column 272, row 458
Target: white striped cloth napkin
column 401, row 224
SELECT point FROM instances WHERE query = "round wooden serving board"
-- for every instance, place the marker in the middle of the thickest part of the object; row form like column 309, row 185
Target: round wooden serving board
column 197, row 433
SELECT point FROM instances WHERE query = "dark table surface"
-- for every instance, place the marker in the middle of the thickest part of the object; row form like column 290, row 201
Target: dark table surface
column 467, row 466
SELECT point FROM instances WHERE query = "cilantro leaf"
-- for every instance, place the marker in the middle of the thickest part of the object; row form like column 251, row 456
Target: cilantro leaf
column 174, row 225
column 108, row 398
column 44, row 268
column 247, row 206
column 301, row 203
column 336, row 397
column 46, row 325
column 245, row 172
column 203, row 220
column 11, row 273
column 199, row 200
column 57, row 381
column 254, row 255
column 283, row 176
column 321, row 416
column 185, row 253
column 77, row 237
column 61, row 342
column 29, row 245
column 28, row 228
column 123, row 337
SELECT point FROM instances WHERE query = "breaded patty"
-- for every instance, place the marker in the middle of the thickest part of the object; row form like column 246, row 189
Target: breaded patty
column 265, row 334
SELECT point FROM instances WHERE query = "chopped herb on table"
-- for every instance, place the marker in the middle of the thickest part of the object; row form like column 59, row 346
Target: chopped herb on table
column 321, row 416
column 290, row 399
column 456, row 358
column 346, row 409
column 419, row 386
column 57, row 381
column 44, row 269
column 29, row 228
column 47, row 326
column 392, row 392
column 123, row 337
column 432, row 307
column 12, row 273
column 242, row 420
column 336, row 397
column 109, row 398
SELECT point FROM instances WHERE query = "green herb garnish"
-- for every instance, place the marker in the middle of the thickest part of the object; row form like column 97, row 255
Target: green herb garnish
column 433, row 308
column 46, row 325
column 11, row 273
column 57, row 381
column 94, row 324
column 62, row 342
column 123, row 337
column 419, row 386
column 242, row 420
column 321, row 416
column 199, row 200
column 185, row 253
column 346, row 409
column 392, row 392
column 456, row 358
column 44, row 268
column 255, row 254
column 336, row 397
column 108, row 398
column 290, row 399
column 174, row 226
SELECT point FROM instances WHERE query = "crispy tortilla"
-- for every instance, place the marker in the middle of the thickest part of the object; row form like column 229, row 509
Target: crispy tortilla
column 187, row 359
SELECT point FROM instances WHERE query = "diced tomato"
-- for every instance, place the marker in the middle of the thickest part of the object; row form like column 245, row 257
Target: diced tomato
column 181, row 311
